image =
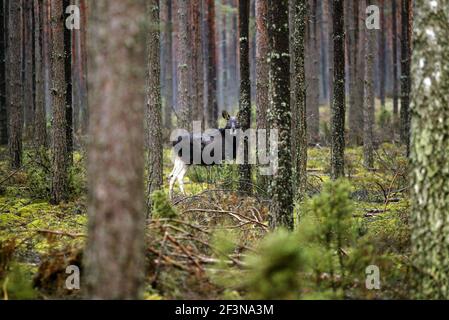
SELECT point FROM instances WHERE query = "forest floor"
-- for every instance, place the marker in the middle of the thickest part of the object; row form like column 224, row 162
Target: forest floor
column 213, row 243
column 200, row 246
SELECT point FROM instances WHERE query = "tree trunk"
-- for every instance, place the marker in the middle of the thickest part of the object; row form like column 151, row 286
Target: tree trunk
column 3, row 41
column 330, row 15
column 245, row 92
column 212, row 105
column 224, row 53
column 355, row 116
column 395, row 65
column 58, row 90
column 40, row 119
column 197, row 61
column 167, row 10
column 68, row 83
column 184, row 108
column 338, row 107
column 28, row 73
column 368, row 109
column 299, row 108
column 262, row 77
column 114, row 256
column 312, row 74
column 382, row 54
column 359, row 99
column 406, row 53
column 154, row 104
column 15, row 111
column 84, row 104
column 280, row 113
column 429, row 151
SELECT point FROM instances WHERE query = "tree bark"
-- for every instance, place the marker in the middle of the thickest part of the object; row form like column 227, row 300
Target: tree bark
column 280, row 113
column 395, row 64
column 245, row 92
column 312, row 73
column 330, row 15
column 184, row 108
column 197, row 61
column 15, row 111
column 368, row 109
column 114, row 256
column 167, row 14
column 262, row 77
column 28, row 72
column 382, row 54
column 338, row 107
column 355, row 116
column 299, row 108
column 40, row 119
column 406, row 53
column 154, row 104
column 224, row 53
column 212, row 104
column 68, row 83
column 58, row 90
column 430, row 147
column 3, row 46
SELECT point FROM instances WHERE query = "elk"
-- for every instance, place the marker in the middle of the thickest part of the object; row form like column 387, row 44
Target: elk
column 225, row 140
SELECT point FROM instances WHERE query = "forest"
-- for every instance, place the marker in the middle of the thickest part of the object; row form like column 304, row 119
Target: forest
column 224, row 149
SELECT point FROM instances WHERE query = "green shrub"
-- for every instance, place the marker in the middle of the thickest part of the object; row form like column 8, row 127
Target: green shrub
column 161, row 206
column 273, row 272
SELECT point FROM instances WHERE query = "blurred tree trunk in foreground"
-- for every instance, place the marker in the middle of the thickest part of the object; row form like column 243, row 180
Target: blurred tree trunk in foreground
column 114, row 255
column 430, row 147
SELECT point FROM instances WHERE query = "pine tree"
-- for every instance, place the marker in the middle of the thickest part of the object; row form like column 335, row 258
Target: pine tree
column 299, row 123
column 395, row 62
column 68, row 83
column 262, row 77
column 28, row 66
column 382, row 54
column 245, row 91
column 430, row 147
column 211, row 106
column 167, row 10
column 40, row 121
column 280, row 113
column 154, row 103
column 58, row 90
column 3, row 42
column 338, row 106
column 185, row 110
column 197, row 61
column 15, row 101
column 368, row 108
column 406, row 53
column 355, row 114
column 114, row 257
